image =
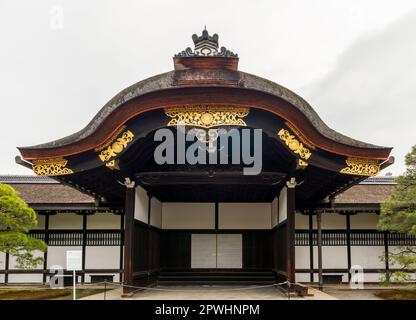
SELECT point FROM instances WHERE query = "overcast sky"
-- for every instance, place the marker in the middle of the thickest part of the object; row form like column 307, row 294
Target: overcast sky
column 61, row 61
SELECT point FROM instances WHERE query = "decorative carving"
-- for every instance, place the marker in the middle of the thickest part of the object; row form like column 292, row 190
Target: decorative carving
column 51, row 167
column 113, row 164
column 361, row 167
column 206, row 46
column 294, row 144
column 117, row 146
column 207, row 116
column 109, row 141
column 300, row 164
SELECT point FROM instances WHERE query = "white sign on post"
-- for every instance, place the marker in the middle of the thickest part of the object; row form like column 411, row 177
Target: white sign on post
column 74, row 263
column 74, row 260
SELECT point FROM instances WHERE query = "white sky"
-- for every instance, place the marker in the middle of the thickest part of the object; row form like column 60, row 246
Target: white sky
column 354, row 61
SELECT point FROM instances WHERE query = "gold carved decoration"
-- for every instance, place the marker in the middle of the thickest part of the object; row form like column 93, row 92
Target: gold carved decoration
column 51, row 167
column 304, row 140
column 294, row 144
column 116, row 146
column 113, row 164
column 300, row 164
column 207, row 116
column 362, row 167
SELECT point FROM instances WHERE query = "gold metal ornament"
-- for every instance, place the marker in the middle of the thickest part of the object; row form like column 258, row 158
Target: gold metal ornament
column 117, row 146
column 294, row 144
column 51, row 167
column 113, row 165
column 300, row 164
column 207, row 116
column 361, row 167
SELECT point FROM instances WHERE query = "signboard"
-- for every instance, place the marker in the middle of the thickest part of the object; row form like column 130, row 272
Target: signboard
column 74, row 260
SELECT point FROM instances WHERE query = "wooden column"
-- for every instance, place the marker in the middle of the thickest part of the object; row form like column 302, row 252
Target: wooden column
column 128, row 236
column 84, row 244
column 319, row 227
column 386, row 255
column 45, row 254
column 311, row 264
column 121, row 246
column 348, row 225
column 6, row 268
column 290, row 233
column 149, row 236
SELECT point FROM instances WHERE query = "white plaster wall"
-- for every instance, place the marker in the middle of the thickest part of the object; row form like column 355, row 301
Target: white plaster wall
column 1, row 278
column 244, row 216
column 57, row 255
column 332, row 220
column 275, row 212
column 367, row 256
column 332, row 257
column 41, row 222
column 13, row 265
column 303, row 277
column 156, row 213
column 301, row 221
column 2, row 260
column 97, row 257
column 103, row 220
column 181, row 215
column 25, row 278
column 364, row 220
column 65, row 221
column 283, row 205
column 302, row 257
column 141, row 204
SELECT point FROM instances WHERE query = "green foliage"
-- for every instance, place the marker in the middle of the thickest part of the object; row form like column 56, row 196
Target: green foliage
column 398, row 214
column 16, row 219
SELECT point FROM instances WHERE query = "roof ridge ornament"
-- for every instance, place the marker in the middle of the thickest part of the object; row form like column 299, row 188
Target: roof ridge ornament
column 206, row 46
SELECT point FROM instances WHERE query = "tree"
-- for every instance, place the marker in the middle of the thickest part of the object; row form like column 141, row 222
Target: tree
column 398, row 214
column 16, row 219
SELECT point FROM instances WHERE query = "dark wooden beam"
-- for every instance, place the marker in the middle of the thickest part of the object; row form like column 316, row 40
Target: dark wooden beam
column 121, row 246
column 84, row 245
column 208, row 177
column 290, row 234
column 45, row 254
column 348, row 226
column 128, row 238
column 386, row 255
column 311, row 247
column 319, row 227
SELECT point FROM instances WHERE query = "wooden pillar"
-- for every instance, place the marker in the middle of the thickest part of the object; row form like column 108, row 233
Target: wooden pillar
column 348, row 225
column 311, row 264
column 128, row 236
column 84, row 244
column 121, row 246
column 319, row 227
column 45, row 254
column 290, row 232
column 149, row 236
column 216, row 216
column 386, row 255
column 6, row 268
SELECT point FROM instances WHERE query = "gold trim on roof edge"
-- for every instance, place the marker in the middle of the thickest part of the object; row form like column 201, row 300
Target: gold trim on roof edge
column 207, row 116
column 51, row 167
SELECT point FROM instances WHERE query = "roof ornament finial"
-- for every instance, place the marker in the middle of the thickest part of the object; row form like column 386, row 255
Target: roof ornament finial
column 206, row 46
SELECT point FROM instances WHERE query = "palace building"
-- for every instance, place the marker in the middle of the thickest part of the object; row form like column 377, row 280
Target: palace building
column 308, row 215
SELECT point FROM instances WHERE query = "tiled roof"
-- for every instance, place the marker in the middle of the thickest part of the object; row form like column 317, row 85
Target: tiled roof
column 44, row 190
